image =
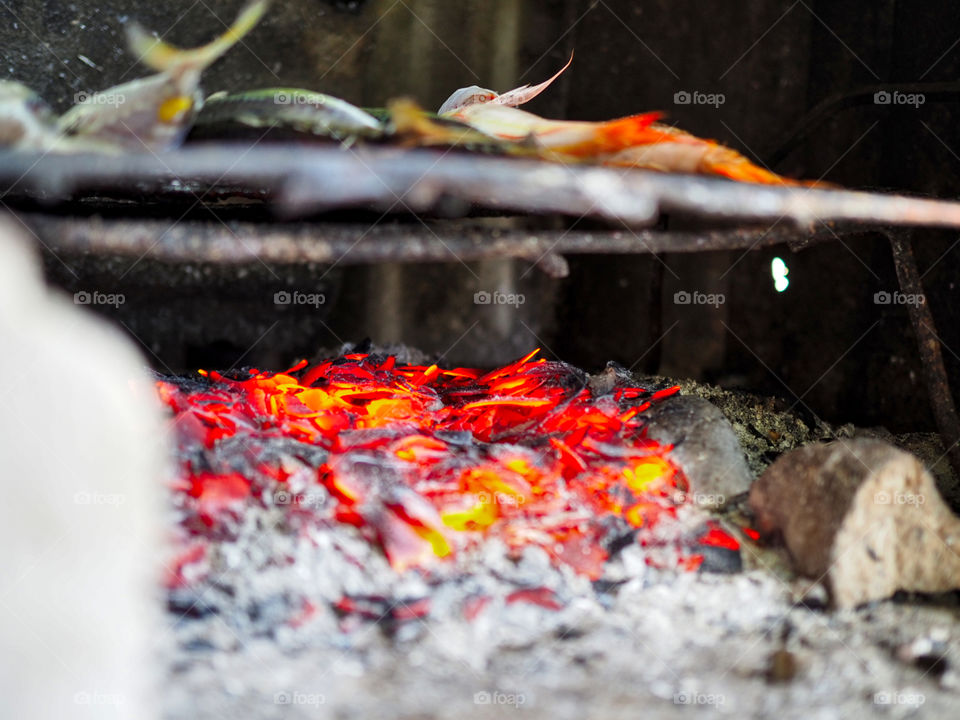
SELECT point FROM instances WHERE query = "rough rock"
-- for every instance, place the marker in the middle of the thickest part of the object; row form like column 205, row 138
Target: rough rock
column 862, row 515
column 705, row 448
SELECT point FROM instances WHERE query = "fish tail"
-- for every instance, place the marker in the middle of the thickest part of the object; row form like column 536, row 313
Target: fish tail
column 625, row 132
column 409, row 119
column 162, row 56
column 420, row 128
column 730, row 164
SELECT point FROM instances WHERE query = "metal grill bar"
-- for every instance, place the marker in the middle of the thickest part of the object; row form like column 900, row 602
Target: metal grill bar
column 298, row 181
column 352, row 244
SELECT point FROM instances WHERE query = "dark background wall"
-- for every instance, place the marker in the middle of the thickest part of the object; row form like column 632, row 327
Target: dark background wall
column 824, row 339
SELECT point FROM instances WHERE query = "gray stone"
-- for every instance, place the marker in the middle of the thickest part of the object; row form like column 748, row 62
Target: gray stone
column 705, row 448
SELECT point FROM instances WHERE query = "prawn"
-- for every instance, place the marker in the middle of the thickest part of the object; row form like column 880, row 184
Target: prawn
column 637, row 141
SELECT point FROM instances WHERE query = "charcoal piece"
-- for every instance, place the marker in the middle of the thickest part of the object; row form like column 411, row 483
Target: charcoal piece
column 720, row 560
column 189, row 604
column 863, row 515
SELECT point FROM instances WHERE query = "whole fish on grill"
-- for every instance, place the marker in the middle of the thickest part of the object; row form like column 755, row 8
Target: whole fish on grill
column 156, row 112
column 153, row 113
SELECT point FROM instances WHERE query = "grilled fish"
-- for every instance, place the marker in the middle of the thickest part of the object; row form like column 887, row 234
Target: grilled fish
column 155, row 113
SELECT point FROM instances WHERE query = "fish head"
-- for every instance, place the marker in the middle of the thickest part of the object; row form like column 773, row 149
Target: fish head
column 472, row 95
column 152, row 113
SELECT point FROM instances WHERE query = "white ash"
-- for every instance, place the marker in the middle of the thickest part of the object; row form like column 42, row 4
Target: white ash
column 684, row 637
column 653, row 642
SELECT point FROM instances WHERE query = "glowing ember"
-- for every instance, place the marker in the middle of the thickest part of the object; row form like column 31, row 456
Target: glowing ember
column 429, row 462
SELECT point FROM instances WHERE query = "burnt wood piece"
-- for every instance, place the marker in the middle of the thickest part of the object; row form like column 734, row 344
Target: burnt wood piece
column 928, row 343
column 299, row 181
column 863, row 516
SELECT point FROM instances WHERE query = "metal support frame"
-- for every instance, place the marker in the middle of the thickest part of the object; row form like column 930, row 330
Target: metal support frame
column 928, row 343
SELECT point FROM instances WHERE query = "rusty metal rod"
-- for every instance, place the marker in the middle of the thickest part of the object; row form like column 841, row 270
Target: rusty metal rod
column 928, row 342
column 357, row 243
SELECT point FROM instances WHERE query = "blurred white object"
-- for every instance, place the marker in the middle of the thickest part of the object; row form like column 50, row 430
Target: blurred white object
column 81, row 459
